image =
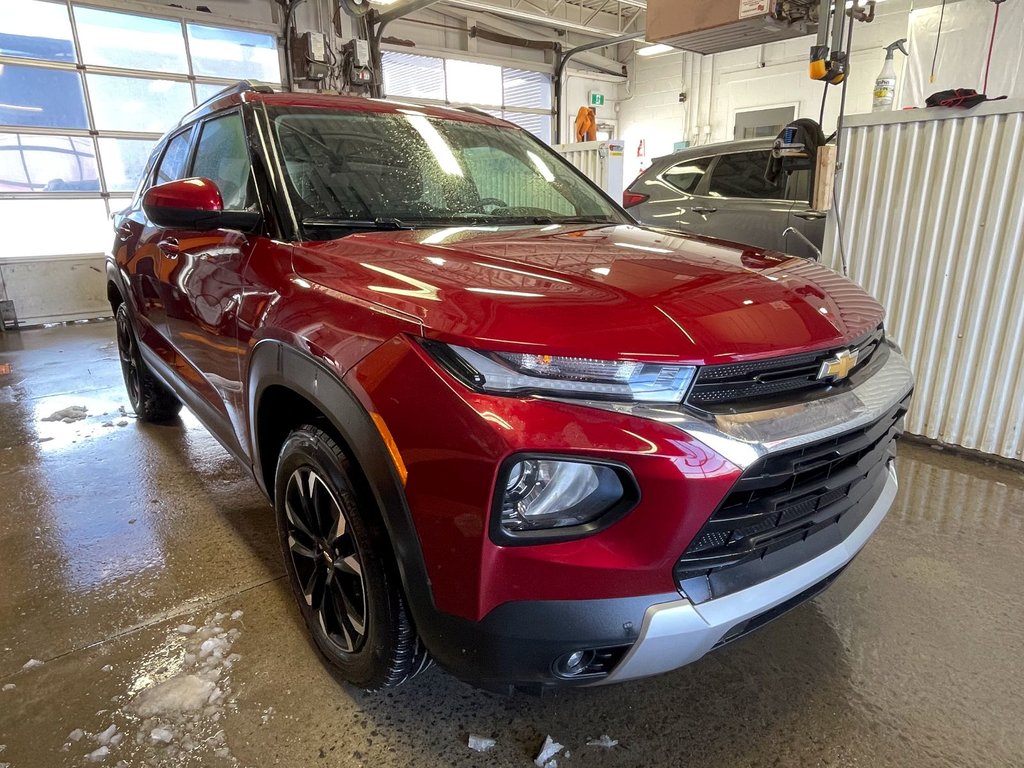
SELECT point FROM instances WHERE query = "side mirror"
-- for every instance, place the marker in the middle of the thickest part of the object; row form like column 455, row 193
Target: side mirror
column 194, row 204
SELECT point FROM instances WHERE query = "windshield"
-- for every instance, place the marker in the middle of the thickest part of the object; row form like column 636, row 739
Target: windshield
column 408, row 169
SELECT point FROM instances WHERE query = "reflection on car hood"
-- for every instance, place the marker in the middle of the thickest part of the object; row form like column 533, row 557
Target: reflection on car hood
column 600, row 292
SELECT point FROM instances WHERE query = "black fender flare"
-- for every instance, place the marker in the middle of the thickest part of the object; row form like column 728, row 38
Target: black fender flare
column 275, row 363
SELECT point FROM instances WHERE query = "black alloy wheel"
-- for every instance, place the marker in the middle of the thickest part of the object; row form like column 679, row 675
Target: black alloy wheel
column 326, row 559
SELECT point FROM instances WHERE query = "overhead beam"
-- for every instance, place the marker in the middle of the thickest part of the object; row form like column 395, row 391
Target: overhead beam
column 531, row 18
column 505, row 26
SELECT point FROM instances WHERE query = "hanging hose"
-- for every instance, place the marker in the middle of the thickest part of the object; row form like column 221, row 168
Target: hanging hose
column 991, row 45
column 938, row 35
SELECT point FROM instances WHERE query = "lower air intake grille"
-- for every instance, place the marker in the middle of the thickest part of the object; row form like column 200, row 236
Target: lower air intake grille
column 786, row 497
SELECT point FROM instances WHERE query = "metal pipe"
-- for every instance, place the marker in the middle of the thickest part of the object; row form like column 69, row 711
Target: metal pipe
column 564, row 60
column 399, row 10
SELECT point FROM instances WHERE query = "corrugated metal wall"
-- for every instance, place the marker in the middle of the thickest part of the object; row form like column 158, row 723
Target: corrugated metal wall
column 933, row 226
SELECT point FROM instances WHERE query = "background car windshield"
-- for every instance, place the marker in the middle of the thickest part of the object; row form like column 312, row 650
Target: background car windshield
column 423, row 171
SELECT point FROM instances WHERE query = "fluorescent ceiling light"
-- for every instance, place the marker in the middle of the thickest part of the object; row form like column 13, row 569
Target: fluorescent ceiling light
column 654, row 50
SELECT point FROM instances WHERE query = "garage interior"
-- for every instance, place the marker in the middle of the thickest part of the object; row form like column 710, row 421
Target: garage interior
column 128, row 550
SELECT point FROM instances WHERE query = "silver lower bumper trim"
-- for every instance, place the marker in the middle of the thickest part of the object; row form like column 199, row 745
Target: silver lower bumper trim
column 677, row 633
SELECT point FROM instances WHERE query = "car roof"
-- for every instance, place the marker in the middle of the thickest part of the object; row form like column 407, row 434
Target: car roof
column 247, row 92
column 719, row 148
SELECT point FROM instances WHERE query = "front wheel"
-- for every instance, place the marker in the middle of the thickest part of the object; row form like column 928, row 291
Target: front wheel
column 337, row 555
column 150, row 399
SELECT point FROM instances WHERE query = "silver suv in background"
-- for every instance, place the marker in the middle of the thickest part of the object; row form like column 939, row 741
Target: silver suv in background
column 720, row 190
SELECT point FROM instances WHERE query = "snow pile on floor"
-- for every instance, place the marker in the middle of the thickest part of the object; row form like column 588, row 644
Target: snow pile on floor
column 177, row 719
column 68, row 415
column 605, row 741
column 32, row 664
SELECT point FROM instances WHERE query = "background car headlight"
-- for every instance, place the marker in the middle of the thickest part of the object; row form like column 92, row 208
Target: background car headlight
column 546, row 494
column 519, row 373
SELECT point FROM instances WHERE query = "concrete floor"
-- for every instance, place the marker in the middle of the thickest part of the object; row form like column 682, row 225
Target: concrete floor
column 113, row 536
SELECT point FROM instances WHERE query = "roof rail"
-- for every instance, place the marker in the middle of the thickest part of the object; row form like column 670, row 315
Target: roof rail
column 477, row 111
column 242, row 86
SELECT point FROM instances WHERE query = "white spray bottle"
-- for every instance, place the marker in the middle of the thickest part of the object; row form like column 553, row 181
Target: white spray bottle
column 885, row 85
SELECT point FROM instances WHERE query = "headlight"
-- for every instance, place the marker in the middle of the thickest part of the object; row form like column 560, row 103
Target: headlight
column 519, row 373
column 540, row 496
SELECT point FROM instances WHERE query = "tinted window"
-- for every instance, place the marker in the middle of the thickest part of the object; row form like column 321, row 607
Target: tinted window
column 798, row 186
column 685, row 176
column 172, row 166
column 742, row 175
column 223, row 158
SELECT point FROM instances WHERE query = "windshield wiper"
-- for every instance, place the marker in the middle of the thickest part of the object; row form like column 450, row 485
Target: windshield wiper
column 378, row 224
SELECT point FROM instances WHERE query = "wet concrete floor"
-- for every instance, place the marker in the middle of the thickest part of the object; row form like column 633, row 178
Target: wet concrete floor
column 113, row 534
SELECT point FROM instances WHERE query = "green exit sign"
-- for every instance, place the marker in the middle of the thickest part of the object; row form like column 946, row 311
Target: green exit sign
column 596, row 99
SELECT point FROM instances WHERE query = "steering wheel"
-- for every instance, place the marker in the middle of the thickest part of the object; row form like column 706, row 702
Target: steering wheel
column 492, row 201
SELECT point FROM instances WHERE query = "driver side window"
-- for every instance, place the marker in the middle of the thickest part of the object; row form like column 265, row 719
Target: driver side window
column 223, row 157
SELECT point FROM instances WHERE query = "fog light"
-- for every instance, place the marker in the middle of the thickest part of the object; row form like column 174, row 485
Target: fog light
column 574, row 663
column 555, row 493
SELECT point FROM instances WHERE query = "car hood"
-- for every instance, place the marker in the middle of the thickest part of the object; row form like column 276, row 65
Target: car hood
column 602, row 292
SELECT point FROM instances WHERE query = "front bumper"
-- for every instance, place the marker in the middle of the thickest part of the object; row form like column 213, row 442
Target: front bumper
column 677, row 633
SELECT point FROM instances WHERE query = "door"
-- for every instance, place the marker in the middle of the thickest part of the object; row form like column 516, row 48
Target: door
column 804, row 219
column 147, row 266
column 672, row 196
column 741, row 205
column 203, row 287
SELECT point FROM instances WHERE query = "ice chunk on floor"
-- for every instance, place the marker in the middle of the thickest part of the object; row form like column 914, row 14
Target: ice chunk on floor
column 185, row 693
column 99, row 755
column 162, row 735
column 605, row 741
column 69, row 414
column 481, row 743
column 32, row 664
column 186, row 629
column 103, row 739
column 76, row 735
column 107, row 668
column 548, row 750
column 10, row 687
column 237, row 615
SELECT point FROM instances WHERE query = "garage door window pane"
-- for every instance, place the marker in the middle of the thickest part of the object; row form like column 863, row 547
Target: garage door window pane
column 526, row 89
column 470, row 82
column 417, row 77
column 137, row 104
column 112, row 39
column 124, row 160
column 40, row 97
column 71, row 227
column 47, row 163
column 218, row 52
column 538, row 125
column 206, row 90
column 37, row 31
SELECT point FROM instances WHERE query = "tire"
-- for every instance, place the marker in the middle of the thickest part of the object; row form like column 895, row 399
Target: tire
column 340, row 567
column 151, row 400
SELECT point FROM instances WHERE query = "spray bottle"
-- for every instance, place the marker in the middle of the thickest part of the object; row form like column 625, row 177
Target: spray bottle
column 885, row 85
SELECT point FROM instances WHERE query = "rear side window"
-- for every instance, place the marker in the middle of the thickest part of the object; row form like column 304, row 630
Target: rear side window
column 685, row 176
column 172, row 164
column 742, row 175
column 222, row 157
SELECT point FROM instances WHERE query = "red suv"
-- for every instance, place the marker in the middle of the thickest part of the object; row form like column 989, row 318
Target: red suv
column 503, row 426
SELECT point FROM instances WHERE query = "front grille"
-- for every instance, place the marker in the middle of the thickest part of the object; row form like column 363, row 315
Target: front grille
column 758, row 381
column 787, row 497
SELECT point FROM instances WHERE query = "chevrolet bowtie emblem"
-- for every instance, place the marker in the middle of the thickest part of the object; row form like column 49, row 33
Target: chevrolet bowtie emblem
column 838, row 368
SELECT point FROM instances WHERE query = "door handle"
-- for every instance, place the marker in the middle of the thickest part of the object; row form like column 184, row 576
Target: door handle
column 811, row 215
column 702, row 209
column 124, row 232
column 169, row 247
